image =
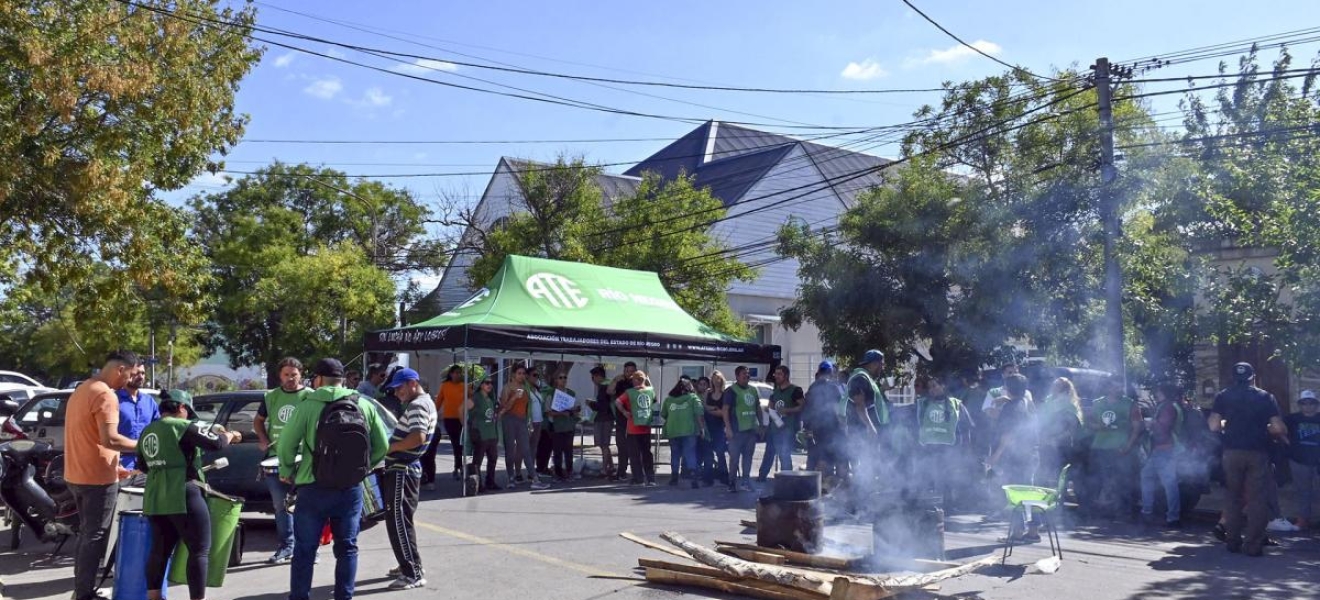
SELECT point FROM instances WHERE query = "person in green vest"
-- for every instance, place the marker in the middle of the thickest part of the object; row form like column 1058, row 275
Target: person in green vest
column 685, row 423
column 1060, row 423
column 638, row 403
column 944, row 432
column 170, row 453
column 1117, row 427
column 742, row 425
column 787, row 401
column 563, row 424
column 483, row 431
column 272, row 415
column 867, row 415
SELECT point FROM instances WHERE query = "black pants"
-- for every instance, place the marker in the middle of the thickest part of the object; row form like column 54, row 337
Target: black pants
column 96, row 512
column 545, row 447
column 563, row 448
column 643, row 460
column 622, row 445
column 488, row 450
column 193, row 528
column 401, row 487
column 453, row 431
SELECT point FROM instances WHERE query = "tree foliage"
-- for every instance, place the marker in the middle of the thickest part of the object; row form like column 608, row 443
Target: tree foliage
column 563, row 214
column 989, row 232
column 302, row 259
column 102, row 103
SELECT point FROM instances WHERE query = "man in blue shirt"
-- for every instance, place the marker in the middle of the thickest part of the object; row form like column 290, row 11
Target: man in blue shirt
column 137, row 409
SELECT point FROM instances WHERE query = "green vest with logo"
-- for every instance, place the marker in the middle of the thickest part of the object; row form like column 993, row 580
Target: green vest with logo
column 681, row 414
column 1115, row 423
column 745, row 401
column 939, row 421
column 482, row 416
column 642, row 403
column 279, row 407
column 781, row 399
column 167, row 467
column 881, row 403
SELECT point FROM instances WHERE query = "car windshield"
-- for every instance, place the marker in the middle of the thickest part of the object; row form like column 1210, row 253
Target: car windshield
column 42, row 410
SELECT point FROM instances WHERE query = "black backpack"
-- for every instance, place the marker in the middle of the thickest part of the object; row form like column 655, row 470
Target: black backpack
column 343, row 445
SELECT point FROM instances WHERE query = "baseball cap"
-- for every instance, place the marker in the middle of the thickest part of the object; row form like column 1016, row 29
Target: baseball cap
column 825, row 367
column 1309, row 395
column 1243, row 371
column 401, row 377
column 872, row 356
column 180, row 396
column 329, row 367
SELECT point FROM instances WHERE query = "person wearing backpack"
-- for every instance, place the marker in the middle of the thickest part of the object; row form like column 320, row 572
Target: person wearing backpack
column 344, row 437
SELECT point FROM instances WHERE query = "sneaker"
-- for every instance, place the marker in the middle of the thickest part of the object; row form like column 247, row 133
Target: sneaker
column 745, row 486
column 1220, row 532
column 651, row 483
column 395, row 573
column 540, row 485
column 1173, row 524
column 280, row 557
column 733, row 489
column 1269, row 541
column 1282, row 525
column 519, row 478
column 407, row 583
column 761, row 479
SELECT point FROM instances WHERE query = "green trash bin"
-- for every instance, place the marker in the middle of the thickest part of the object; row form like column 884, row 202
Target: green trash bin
column 226, row 538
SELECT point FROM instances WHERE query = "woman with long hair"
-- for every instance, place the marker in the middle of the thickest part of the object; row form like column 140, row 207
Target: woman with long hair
column 713, row 449
column 483, row 431
column 1060, row 421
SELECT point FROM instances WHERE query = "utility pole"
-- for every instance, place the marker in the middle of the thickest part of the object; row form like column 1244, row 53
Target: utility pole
column 1110, row 220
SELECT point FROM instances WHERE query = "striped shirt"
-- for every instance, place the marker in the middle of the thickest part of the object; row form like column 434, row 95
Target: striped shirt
column 419, row 415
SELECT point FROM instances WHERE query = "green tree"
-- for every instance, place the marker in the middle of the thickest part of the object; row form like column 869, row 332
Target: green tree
column 988, row 233
column 563, row 214
column 1258, row 185
column 302, row 260
column 100, row 104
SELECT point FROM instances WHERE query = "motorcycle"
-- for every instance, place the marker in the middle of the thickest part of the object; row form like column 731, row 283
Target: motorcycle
column 49, row 512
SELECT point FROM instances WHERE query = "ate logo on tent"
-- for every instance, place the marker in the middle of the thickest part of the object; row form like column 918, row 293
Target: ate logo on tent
column 556, row 290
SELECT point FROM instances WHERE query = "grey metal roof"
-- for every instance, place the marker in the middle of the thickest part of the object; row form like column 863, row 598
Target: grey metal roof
column 612, row 186
column 848, row 172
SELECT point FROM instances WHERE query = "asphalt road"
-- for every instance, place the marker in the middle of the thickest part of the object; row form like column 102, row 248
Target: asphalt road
column 563, row 543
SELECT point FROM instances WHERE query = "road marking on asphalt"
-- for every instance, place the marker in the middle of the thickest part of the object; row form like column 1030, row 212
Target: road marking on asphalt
column 523, row 552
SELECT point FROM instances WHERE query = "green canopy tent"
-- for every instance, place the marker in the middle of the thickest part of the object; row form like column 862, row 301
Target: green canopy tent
column 537, row 306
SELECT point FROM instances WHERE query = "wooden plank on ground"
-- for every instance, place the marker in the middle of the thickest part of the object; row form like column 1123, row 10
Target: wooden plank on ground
column 747, row 524
column 742, row 587
column 764, row 558
column 797, row 558
column 652, row 545
column 812, row 582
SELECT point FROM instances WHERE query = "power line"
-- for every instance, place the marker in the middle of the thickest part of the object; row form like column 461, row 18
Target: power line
column 974, row 48
column 453, row 142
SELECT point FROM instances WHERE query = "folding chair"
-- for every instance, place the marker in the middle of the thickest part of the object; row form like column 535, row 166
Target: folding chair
column 1030, row 499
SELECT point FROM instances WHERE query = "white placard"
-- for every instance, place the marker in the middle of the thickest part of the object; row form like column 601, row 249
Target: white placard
column 563, row 402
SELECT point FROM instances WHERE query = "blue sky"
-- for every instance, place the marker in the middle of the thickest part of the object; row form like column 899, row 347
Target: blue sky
column 873, row 44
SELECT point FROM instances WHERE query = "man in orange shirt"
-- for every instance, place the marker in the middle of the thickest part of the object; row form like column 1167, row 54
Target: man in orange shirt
column 92, row 444
column 449, row 403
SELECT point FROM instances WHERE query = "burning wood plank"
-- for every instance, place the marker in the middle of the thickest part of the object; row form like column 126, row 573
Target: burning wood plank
column 750, row 570
column 652, row 545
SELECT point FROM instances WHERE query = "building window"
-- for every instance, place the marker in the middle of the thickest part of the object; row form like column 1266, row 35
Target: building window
column 693, row 373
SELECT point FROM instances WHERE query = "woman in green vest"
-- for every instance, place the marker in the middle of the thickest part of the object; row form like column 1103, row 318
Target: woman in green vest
column 483, row 432
column 170, row 452
column 563, row 424
column 1116, row 419
column 944, row 431
column 683, row 412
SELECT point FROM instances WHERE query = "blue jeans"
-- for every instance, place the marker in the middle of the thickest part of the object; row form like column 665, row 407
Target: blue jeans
column 684, row 448
column 713, row 450
column 778, row 445
column 741, row 448
column 283, row 520
column 343, row 509
column 1161, row 470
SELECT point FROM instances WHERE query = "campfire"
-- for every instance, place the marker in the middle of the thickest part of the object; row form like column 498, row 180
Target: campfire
column 787, row 562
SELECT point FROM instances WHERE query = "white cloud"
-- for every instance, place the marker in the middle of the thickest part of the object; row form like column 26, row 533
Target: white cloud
column 863, row 71
column 284, row 60
column 424, row 66
column 210, row 180
column 376, row 97
column 954, row 54
column 325, row 88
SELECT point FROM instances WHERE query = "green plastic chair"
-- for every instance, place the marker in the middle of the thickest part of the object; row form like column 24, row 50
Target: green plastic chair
column 1030, row 499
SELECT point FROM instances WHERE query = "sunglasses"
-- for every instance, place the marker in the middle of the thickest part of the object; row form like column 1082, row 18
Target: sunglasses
column 562, row 378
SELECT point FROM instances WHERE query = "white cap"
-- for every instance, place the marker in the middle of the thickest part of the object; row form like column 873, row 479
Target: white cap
column 1309, row 395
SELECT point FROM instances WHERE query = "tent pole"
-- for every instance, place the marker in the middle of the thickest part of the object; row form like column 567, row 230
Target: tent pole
column 463, row 437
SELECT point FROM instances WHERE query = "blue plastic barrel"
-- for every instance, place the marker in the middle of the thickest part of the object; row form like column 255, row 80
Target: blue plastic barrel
column 131, row 560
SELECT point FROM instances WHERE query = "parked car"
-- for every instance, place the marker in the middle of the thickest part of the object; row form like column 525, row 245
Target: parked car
column 18, row 378
column 17, row 394
column 42, row 418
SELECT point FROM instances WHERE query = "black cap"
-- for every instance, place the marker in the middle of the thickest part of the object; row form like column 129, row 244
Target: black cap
column 598, row 370
column 1243, row 371
column 329, row 367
